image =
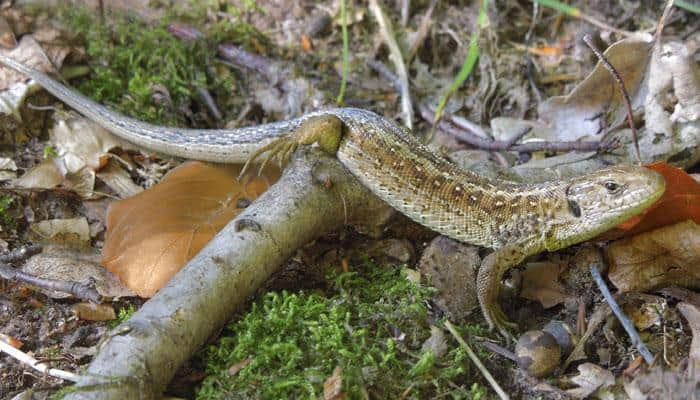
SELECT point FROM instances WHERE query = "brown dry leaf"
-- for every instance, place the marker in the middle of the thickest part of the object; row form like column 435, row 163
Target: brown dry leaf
column 94, row 312
column 663, row 257
column 8, row 169
column 672, row 105
column 692, row 315
column 82, row 266
column 590, row 379
column 118, row 179
column 13, row 86
column 73, row 232
column 7, row 37
column 152, row 235
column 584, row 111
column 540, row 283
column 42, row 176
column 81, row 143
column 29, row 53
column 645, row 310
column 333, row 386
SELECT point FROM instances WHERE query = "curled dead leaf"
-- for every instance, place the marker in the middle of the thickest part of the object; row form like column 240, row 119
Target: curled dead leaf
column 94, row 312
column 667, row 256
column 151, row 235
column 540, row 283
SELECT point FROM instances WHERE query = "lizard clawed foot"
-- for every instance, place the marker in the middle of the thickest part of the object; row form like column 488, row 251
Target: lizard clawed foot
column 498, row 320
column 326, row 130
column 280, row 148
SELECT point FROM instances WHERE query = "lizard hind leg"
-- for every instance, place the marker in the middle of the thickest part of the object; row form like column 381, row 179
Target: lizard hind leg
column 325, row 130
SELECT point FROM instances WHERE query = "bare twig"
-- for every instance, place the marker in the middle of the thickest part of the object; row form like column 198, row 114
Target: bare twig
column 185, row 32
column 405, row 11
column 209, row 102
column 422, row 32
column 21, row 253
column 662, row 21
column 397, row 59
column 528, row 57
column 243, row 59
column 345, row 53
column 489, row 378
column 35, row 364
column 621, row 85
column 597, row 318
column 384, row 71
column 499, row 145
column 77, row 289
column 624, row 320
column 500, row 350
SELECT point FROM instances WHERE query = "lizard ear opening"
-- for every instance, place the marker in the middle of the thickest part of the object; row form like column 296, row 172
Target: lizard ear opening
column 574, row 208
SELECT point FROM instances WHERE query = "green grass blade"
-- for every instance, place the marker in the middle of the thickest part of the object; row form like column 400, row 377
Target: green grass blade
column 469, row 62
column 346, row 54
column 561, row 7
column 694, row 8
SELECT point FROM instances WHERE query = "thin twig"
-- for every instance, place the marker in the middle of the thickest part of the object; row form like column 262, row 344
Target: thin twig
column 244, row 59
column 397, row 59
column 421, row 32
column 624, row 320
column 577, row 13
column 35, row 364
column 625, row 95
column 489, row 378
column 384, row 71
column 597, row 318
column 662, row 21
column 77, row 289
column 405, row 12
column 209, row 102
column 530, row 63
column 345, row 54
column 20, row 254
column 500, row 145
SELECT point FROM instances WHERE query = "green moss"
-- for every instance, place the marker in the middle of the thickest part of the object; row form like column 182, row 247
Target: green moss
column 49, row 152
column 6, row 218
column 371, row 324
column 131, row 61
column 122, row 315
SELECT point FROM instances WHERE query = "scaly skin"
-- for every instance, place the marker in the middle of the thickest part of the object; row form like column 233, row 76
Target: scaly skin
column 517, row 220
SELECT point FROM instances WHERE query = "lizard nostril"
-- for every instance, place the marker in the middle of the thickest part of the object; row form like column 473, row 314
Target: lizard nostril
column 574, row 208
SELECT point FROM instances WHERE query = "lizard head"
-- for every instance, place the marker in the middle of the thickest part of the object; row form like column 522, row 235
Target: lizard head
column 600, row 200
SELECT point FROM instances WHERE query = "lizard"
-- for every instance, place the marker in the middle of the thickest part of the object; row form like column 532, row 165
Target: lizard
column 515, row 220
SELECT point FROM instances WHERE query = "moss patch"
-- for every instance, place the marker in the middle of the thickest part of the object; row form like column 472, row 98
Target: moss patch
column 146, row 72
column 371, row 323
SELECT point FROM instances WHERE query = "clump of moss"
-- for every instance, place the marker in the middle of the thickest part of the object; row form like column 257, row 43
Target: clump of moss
column 131, row 61
column 370, row 324
column 6, row 219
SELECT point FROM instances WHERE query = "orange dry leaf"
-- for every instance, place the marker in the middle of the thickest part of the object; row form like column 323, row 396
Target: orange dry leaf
column 94, row 312
column 680, row 202
column 306, row 43
column 11, row 340
column 546, row 51
column 540, row 283
column 664, row 257
column 150, row 236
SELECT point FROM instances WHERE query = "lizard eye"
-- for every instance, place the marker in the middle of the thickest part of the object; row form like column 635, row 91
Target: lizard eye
column 612, row 187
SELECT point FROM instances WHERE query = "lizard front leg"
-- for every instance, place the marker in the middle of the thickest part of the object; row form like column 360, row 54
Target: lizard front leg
column 488, row 284
column 326, row 130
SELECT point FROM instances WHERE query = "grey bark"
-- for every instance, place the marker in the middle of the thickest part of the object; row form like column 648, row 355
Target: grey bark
column 314, row 196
